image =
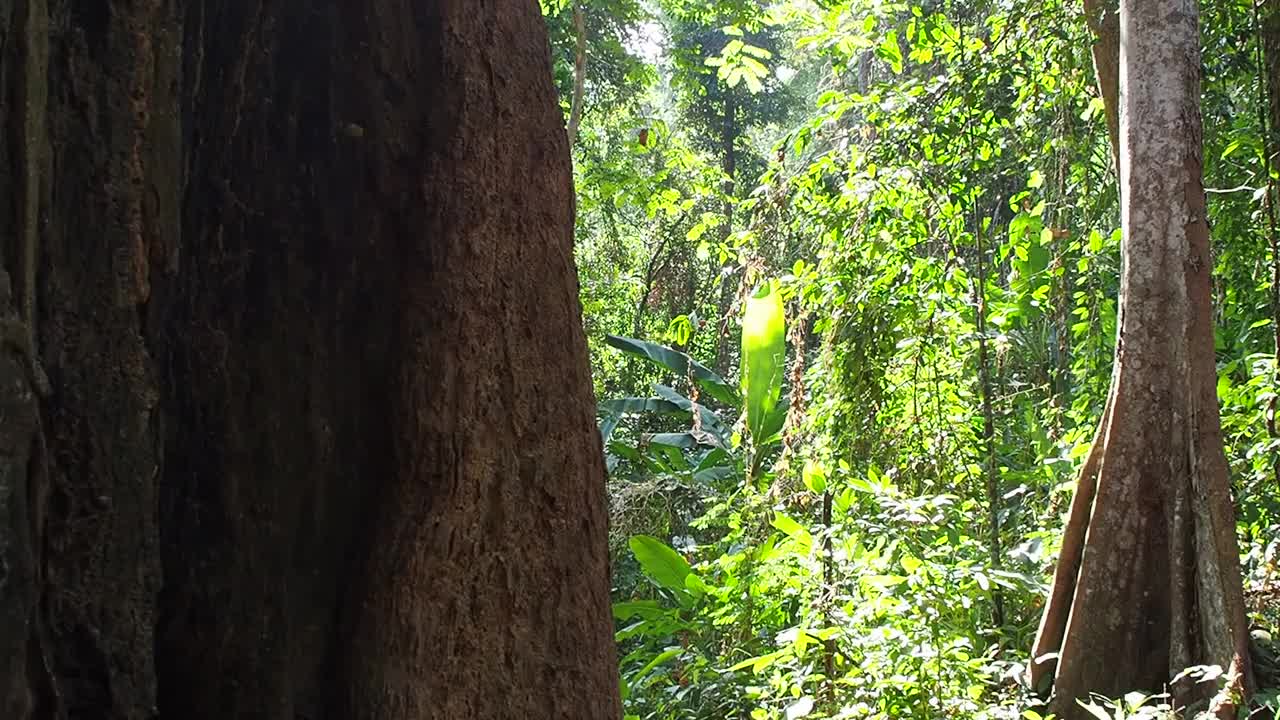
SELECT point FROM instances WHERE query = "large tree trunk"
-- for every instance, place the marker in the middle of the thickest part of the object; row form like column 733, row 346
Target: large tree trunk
column 1148, row 582
column 321, row 441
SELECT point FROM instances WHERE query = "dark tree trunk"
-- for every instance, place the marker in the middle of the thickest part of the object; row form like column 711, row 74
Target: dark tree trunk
column 321, row 440
column 1148, row 581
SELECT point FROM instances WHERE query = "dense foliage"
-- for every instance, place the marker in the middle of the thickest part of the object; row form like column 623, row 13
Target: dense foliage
column 849, row 271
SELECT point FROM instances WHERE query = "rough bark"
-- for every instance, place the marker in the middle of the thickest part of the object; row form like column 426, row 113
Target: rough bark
column 321, row 438
column 1148, row 581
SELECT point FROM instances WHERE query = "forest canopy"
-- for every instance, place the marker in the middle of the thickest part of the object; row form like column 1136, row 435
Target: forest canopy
column 852, row 273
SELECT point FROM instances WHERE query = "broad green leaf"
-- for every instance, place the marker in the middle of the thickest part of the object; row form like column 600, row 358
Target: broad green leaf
column 795, row 531
column 679, row 363
column 660, row 562
column 681, row 440
column 608, row 424
column 637, row 405
column 815, row 477
column 910, row 564
column 646, row 609
column 763, row 359
column 668, row 654
column 883, row 581
column 696, row 585
column 679, row 330
column 710, row 476
column 625, row 451
column 716, row 459
column 710, row 421
column 759, row 663
column 890, row 52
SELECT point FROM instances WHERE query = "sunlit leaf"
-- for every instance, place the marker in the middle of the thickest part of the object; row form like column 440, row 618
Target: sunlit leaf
column 763, row 359
column 814, row 476
column 660, row 562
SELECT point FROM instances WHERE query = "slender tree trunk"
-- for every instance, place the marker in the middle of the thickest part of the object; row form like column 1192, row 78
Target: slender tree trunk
column 990, row 464
column 1270, row 32
column 728, row 290
column 1268, row 19
column 1154, row 585
column 321, row 439
column 579, row 71
column 1103, row 19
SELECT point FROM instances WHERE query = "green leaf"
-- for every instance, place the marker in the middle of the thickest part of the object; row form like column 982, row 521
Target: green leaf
column 660, row 562
column 883, row 581
column 910, row 564
column 679, row 330
column 890, row 52
column 815, row 477
column 645, row 609
column 763, row 359
column 637, row 405
column 710, row 421
column 680, row 440
column 795, row 531
column 696, row 585
column 608, row 424
column 679, row 363
column 759, row 663
column 662, row 657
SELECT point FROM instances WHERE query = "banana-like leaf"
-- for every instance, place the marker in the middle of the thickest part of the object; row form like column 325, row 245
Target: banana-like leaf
column 764, row 348
column 637, row 405
column 608, row 424
column 663, row 565
column 711, row 476
column 681, row 440
column 710, row 421
column 679, row 363
column 645, row 609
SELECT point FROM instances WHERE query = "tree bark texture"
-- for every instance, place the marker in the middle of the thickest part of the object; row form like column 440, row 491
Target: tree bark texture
column 1148, row 582
column 321, row 440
